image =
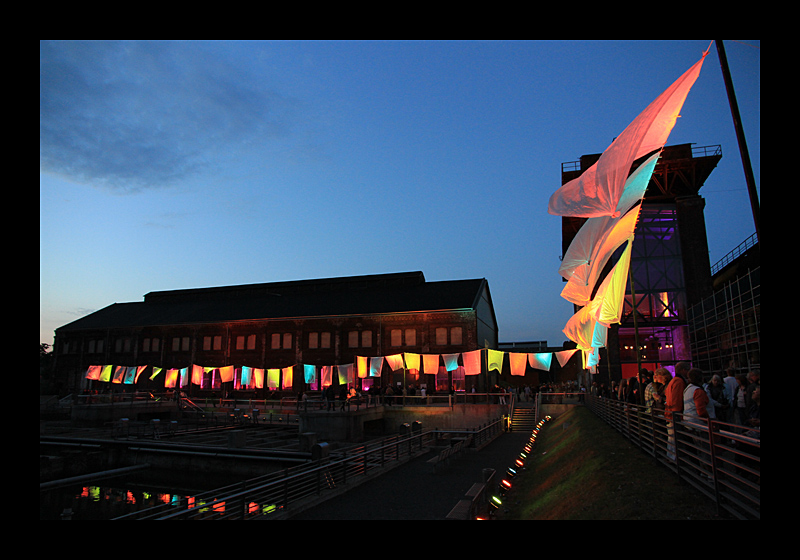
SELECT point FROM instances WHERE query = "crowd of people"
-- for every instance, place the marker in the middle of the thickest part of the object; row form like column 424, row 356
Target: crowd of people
column 728, row 396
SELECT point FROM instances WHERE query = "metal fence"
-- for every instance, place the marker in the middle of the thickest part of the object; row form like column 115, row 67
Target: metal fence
column 276, row 495
column 721, row 460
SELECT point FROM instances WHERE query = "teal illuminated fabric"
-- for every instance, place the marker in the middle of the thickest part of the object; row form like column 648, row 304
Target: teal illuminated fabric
column 309, row 373
column 375, row 366
column 247, row 376
column 450, row 361
column 540, row 360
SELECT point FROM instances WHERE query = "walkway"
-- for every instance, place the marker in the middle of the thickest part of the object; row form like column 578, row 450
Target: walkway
column 413, row 491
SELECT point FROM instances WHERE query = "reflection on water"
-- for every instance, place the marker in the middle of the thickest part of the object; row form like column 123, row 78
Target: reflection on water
column 116, row 497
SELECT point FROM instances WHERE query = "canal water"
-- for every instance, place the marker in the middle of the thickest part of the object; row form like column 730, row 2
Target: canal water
column 114, row 497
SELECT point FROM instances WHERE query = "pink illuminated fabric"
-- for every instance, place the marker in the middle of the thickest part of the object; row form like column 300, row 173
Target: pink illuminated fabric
column 119, row 373
column 327, row 375
column 197, row 374
column 472, row 362
column 94, row 372
column 395, row 361
column 139, row 371
column 430, row 363
column 540, row 360
column 450, row 361
column 598, row 190
column 564, row 356
column 579, row 255
column 518, row 362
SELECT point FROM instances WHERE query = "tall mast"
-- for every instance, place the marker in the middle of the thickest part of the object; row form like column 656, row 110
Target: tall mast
column 737, row 122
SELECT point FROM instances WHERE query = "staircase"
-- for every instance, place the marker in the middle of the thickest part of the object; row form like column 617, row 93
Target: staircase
column 523, row 419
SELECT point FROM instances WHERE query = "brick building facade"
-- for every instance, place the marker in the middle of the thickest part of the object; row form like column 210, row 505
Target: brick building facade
column 279, row 325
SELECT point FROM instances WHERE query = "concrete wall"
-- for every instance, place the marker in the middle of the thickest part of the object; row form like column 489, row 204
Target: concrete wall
column 357, row 426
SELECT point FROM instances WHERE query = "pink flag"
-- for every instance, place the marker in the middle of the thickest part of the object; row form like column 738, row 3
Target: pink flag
column 94, row 372
column 598, row 190
column 197, row 374
column 472, row 362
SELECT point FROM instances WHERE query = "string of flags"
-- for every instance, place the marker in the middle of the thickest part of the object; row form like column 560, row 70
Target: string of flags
column 363, row 367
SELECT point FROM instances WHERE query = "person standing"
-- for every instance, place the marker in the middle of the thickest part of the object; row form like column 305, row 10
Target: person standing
column 674, row 404
column 730, row 391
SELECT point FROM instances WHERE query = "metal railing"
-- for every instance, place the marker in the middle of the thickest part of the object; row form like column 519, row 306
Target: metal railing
column 735, row 253
column 275, row 495
column 719, row 459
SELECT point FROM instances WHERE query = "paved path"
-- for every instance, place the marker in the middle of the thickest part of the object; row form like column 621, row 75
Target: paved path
column 414, row 491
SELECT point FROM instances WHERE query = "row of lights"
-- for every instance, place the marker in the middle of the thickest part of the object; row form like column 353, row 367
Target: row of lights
column 519, row 464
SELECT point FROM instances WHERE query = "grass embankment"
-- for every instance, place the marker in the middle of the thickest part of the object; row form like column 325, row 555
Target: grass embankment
column 581, row 468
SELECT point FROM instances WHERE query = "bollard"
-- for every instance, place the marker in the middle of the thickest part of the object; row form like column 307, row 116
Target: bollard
column 319, row 451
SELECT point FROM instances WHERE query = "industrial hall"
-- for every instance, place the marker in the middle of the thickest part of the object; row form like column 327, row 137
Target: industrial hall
column 385, row 329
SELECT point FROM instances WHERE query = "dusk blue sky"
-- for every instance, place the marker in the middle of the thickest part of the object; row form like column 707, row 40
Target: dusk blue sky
column 171, row 165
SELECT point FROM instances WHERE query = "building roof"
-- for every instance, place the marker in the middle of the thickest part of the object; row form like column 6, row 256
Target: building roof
column 355, row 295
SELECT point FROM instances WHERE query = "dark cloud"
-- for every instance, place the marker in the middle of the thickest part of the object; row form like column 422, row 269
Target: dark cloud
column 137, row 115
